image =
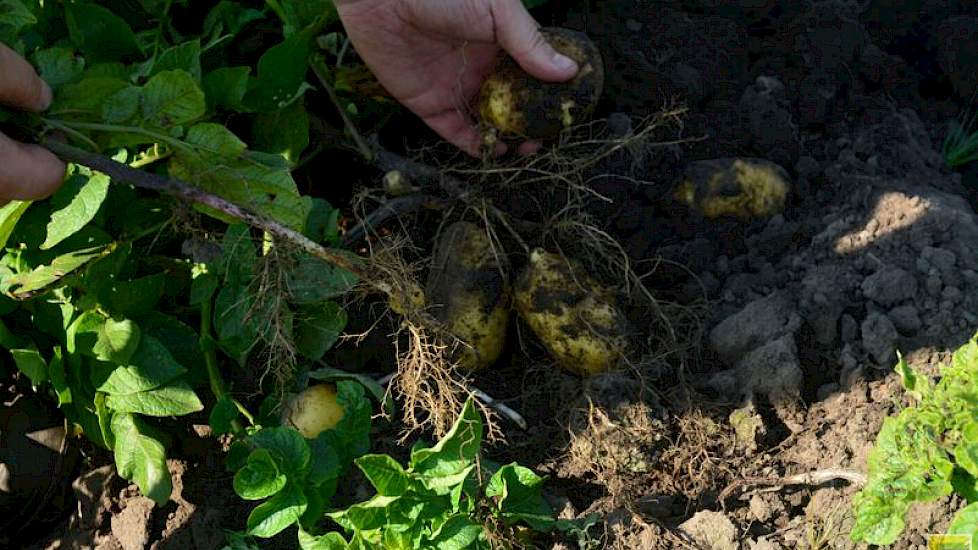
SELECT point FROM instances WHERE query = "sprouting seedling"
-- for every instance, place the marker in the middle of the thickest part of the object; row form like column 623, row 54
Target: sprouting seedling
column 961, row 142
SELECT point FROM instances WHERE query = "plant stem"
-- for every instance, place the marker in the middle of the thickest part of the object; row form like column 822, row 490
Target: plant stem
column 213, row 371
column 176, row 188
column 319, row 67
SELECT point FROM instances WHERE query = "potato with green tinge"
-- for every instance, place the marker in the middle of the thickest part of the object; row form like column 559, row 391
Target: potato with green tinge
column 313, row 410
column 469, row 291
column 513, row 104
column 574, row 316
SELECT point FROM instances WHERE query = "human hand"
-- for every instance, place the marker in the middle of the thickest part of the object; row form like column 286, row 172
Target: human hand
column 433, row 55
column 27, row 172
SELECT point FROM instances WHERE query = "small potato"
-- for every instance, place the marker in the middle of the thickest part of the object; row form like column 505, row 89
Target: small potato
column 571, row 313
column 513, row 104
column 314, row 410
column 743, row 188
column 468, row 290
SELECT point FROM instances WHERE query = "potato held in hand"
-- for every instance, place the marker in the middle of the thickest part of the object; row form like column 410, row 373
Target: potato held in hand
column 468, row 291
column 314, row 410
column 513, row 104
column 574, row 316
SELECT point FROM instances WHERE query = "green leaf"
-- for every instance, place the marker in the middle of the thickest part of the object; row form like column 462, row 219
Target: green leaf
column 10, row 214
column 456, row 450
column 914, row 385
column 86, row 98
column 260, row 182
column 184, row 57
column 122, row 106
column 175, row 399
column 172, row 98
column 965, row 522
column 260, row 478
column 278, row 513
column 99, row 33
column 329, row 374
column 58, row 66
column 284, row 132
column 299, row 14
column 14, row 18
column 225, row 88
column 313, row 281
column 329, row 541
column 385, row 474
column 364, row 516
column 118, row 340
column 82, row 198
column 178, row 339
column 223, row 413
column 318, row 328
column 138, row 296
column 458, row 533
column 151, row 366
column 517, row 493
column 26, row 284
column 237, row 331
column 140, row 457
column 30, row 362
column 281, row 74
column 324, row 463
column 351, row 436
column 286, row 445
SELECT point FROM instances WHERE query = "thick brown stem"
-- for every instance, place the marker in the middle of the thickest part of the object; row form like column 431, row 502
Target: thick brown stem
column 147, row 180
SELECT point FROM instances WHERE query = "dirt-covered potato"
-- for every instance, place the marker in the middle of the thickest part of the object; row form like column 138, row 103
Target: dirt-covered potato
column 571, row 313
column 740, row 187
column 468, row 290
column 314, row 410
column 513, row 104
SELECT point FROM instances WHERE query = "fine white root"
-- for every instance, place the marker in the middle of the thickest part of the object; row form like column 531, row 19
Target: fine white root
column 503, row 409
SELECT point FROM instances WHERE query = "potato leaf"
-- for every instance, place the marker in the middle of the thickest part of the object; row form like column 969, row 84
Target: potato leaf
column 223, row 413
column 30, row 362
column 172, row 98
column 281, row 74
column 329, row 541
column 175, row 399
column 14, row 17
column 260, row 478
column 516, row 491
column 287, row 446
column 26, row 284
column 385, row 474
column 225, row 88
column 318, row 327
column 82, row 197
column 10, row 214
column 141, row 457
column 456, row 450
column 965, row 522
column 151, row 366
column 58, row 66
column 184, row 57
column 99, row 33
column 276, row 514
column 364, row 516
column 458, row 533
column 283, row 132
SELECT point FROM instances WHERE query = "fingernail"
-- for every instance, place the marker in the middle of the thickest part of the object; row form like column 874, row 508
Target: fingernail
column 564, row 63
column 46, row 95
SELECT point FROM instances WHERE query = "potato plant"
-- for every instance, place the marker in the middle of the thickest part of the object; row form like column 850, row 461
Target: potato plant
column 130, row 310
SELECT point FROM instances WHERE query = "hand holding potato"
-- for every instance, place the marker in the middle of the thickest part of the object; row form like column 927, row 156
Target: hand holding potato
column 27, row 172
column 433, row 55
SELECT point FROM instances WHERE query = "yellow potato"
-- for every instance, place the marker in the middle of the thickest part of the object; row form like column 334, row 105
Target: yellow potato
column 742, row 188
column 314, row 410
column 574, row 316
column 514, row 104
column 468, row 290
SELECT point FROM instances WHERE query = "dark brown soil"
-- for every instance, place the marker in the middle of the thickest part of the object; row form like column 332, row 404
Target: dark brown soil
column 788, row 326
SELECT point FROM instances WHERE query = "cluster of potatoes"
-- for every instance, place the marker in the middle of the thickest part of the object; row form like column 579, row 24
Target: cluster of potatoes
column 469, row 292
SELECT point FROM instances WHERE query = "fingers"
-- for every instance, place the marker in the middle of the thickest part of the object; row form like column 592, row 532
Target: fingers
column 20, row 85
column 519, row 34
column 28, row 172
column 457, row 130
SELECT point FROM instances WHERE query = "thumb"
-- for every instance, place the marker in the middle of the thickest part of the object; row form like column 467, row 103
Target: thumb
column 519, row 34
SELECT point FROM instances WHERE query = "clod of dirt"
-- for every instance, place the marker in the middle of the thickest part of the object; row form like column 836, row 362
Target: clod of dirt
column 131, row 526
column 890, row 286
column 711, row 531
column 958, row 44
column 758, row 322
column 774, row 371
column 766, row 114
column 745, row 188
column 879, row 337
column 763, row 544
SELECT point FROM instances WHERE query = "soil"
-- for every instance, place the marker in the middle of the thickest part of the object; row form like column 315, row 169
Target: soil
column 790, row 324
